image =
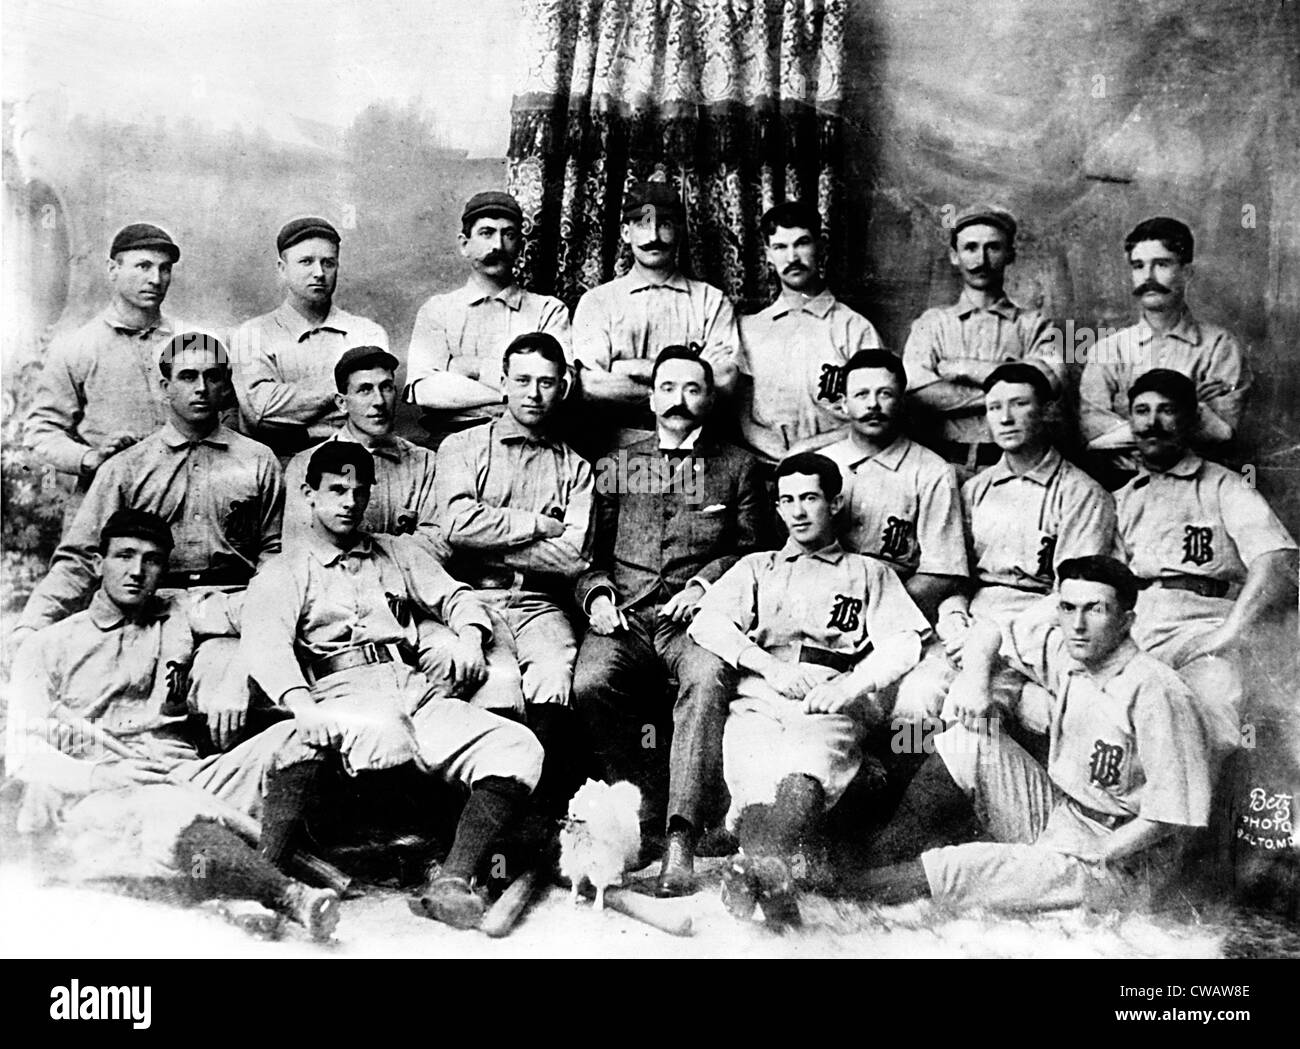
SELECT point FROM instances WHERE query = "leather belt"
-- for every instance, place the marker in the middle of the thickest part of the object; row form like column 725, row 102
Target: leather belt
column 1196, row 584
column 207, row 577
column 982, row 453
column 511, row 579
column 1106, row 819
column 824, row 657
column 361, row 656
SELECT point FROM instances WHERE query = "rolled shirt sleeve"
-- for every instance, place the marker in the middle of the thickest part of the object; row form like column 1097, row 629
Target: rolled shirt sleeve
column 728, row 612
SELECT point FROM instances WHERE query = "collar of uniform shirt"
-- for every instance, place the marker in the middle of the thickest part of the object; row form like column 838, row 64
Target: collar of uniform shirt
column 473, row 294
column 1185, row 469
column 1112, row 666
column 890, row 457
column 328, row 554
column 174, row 439
column 819, row 305
column 1004, row 307
column 301, row 328
column 1185, row 330
column 508, row 430
column 107, row 616
column 113, row 320
column 831, row 553
column 385, row 446
column 1041, row 474
column 677, row 282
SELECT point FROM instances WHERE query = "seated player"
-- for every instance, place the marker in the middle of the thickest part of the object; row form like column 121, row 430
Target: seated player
column 96, row 733
column 328, row 634
column 1126, row 778
column 1215, row 563
column 814, row 631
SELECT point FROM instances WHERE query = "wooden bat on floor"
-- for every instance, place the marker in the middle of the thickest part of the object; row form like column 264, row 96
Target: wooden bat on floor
column 644, row 909
column 310, row 868
column 504, row 914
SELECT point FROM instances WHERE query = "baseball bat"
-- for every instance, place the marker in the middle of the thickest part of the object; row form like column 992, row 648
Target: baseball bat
column 647, row 911
column 505, row 913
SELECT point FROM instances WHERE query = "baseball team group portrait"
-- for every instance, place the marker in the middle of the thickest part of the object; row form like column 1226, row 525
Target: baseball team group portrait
column 624, row 478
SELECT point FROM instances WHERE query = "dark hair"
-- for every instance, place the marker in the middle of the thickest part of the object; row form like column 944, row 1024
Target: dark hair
column 876, row 359
column 1174, row 385
column 361, row 358
column 541, row 343
column 1097, row 568
column 192, row 342
column 340, row 457
column 135, row 524
column 1021, row 374
column 1174, row 235
column 467, row 225
column 693, row 352
column 793, row 214
column 813, row 464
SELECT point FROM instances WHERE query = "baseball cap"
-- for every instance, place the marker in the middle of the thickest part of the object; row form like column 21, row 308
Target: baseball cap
column 140, row 235
column 135, row 524
column 491, row 202
column 651, row 194
column 358, row 358
column 297, row 230
column 985, row 214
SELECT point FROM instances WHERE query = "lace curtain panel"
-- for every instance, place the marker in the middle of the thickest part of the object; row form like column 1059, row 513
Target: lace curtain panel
column 735, row 102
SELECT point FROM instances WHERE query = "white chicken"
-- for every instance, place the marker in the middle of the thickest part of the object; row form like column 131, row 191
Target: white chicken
column 601, row 836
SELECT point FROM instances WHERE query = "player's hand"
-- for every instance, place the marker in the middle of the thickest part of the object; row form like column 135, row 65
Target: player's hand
column 101, row 453
column 315, row 726
column 830, row 697
column 226, row 714
column 605, row 617
column 969, row 702
column 1212, row 388
column 132, row 772
column 955, row 641
column 682, row 606
column 792, row 680
column 466, row 662
column 548, row 527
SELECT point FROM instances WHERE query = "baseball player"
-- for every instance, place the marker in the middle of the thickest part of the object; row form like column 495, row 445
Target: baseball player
column 1025, row 515
column 1215, row 563
column 620, row 326
column 952, row 350
column 454, row 366
column 284, row 360
column 98, row 391
column 96, row 732
column 1166, row 336
column 813, row 631
column 328, row 634
column 222, row 495
column 793, row 352
column 1126, row 778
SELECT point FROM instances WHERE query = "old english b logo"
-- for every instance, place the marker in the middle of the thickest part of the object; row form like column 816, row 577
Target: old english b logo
column 1104, row 768
column 1046, row 556
column 401, row 610
column 178, row 689
column 895, row 539
column 1197, row 546
column 830, row 385
column 844, row 613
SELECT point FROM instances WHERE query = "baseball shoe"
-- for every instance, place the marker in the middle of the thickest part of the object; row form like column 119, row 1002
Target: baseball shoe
column 252, row 917
column 776, row 892
column 317, row 910
column 739, row 887
column 450, row 900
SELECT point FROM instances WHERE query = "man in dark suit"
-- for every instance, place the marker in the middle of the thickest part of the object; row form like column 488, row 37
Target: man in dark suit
column 674, row 511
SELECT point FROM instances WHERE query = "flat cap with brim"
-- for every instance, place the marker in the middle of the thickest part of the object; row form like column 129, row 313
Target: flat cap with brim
column 358, row 358
column 651, row 194
column 298, row 230
column 136, row 524
column 490, row 203
column 987, row 216
column 141, row 236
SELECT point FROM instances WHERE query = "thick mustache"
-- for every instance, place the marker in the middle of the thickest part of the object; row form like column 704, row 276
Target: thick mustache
column 1150, row 285
column 1153, row 431
column 679, row 411
column 654, row 245
column 493, row 257
column 795, row 267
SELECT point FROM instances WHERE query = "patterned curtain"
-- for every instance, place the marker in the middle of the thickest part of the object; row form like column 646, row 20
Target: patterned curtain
column 735, row 102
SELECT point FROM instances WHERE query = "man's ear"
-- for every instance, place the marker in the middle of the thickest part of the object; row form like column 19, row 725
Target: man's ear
column 97, row 564
column 308, row 493
column 341, row 403
column 463, row 242
column 625, row 232
column 112, row 267
column 837, row 504
column 280, row 265
column 954, row 257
